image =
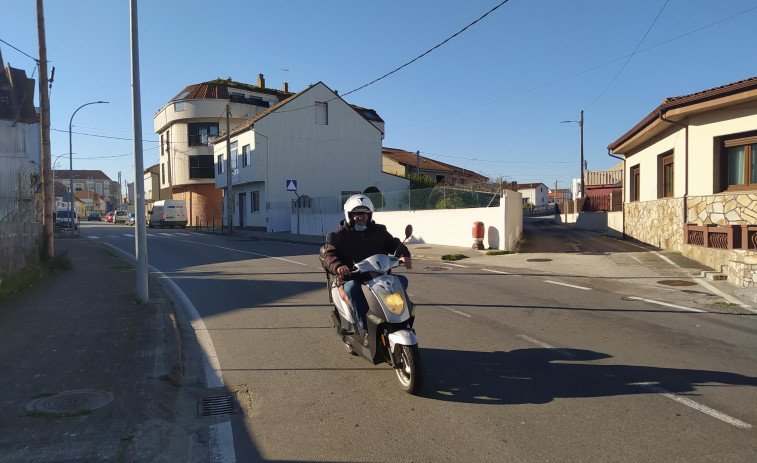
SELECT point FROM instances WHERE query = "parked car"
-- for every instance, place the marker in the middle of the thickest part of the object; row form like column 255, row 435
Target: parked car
column 131, row 219
column 109, row 216
column 119, row 216
column 66, row 218
column 94, row 216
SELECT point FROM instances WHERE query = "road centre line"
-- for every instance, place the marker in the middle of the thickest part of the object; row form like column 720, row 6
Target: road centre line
column 496, row 271
column 566, row 284
column 455, row 265
column 546, row 346
column 459, row 312
column 666, row 304
column 246, row 252
column 695, row 405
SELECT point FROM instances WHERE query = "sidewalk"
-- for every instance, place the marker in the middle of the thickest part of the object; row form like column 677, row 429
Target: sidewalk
column 87, row 374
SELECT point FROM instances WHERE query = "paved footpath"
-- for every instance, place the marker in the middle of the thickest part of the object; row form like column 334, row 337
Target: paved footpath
column 86, row 373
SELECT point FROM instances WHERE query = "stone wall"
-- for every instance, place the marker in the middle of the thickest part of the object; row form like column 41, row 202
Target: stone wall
column 723, row 209
column 659, row 223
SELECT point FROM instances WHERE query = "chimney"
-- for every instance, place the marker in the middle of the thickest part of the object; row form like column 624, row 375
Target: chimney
column 336, row 92
column 286, row 87
column 261, row 81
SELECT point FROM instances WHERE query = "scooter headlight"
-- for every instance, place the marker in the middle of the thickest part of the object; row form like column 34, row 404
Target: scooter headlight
column 393, row 302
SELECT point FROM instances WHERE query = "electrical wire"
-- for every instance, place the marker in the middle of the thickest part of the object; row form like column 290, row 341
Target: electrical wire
column 428, row 51
column 23, row 53
column 632, row 54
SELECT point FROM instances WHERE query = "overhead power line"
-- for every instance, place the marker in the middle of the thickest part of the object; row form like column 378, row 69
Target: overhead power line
column 429, row 51
column 23, row 53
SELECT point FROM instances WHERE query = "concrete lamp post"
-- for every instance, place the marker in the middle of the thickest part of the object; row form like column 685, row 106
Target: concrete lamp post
column 71, row 154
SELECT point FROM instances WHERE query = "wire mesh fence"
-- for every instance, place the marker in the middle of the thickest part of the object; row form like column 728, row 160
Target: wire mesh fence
column 438, row 197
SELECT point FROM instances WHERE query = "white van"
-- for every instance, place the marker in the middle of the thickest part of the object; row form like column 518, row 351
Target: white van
column 66, row 218
column 168, row 213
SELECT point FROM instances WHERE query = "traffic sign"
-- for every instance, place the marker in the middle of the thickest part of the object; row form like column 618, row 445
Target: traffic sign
column 291, row 185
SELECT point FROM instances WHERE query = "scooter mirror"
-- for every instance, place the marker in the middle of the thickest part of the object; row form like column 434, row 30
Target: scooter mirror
column 408, row 231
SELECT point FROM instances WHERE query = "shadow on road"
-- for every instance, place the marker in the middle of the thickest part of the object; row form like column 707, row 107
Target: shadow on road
column 541, row 375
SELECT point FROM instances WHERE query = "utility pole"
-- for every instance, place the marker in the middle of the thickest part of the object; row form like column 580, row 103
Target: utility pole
column 140, row 237
column 583, row 189
column 48, row 242
column 229, row 197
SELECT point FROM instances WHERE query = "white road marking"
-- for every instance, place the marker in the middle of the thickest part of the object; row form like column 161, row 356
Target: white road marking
column 496, row 271
column 566, row 284
column 695, row 405
column 702, row 282
column 246, row 252
column 130, row 235
column 666, row 304
column 454, row 265
column 546, row 346
column 458, row 312
column 92, row 237
column 166, row 234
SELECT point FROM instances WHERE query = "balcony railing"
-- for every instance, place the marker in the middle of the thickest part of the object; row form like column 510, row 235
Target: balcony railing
column 721, row 237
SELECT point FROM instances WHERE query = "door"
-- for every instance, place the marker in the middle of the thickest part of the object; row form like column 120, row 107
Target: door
column 242, row 209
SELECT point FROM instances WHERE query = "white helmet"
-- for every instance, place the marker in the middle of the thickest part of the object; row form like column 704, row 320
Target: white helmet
column 358, row 203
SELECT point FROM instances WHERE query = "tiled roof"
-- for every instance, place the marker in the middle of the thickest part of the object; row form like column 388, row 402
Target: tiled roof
column 733, row 88
column 529, row 186
column 63, row 174
column 411, row 160
column 219, row 89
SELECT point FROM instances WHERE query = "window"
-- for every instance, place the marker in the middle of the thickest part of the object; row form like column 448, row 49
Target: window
column 321, row 113
column 255, row 203
column 221, row 168
column 178, row 106
column 161, row 146
column 667, row 175
column 200, row 133
column 635, row 182
column 162, row 173
column 245, row 155
column 201, row 166
column 234, row 153
column 740, row 159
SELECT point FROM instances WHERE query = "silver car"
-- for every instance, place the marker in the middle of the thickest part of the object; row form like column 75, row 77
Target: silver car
column 131, row 219
column 120, row 216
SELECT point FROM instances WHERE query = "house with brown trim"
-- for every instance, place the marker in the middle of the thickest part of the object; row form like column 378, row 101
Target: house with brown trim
column 400, row 162
column 690, row 178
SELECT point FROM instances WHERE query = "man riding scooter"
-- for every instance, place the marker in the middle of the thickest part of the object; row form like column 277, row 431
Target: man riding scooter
column 359, row 237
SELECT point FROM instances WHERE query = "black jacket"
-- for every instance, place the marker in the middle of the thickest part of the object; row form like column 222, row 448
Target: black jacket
column 353, row 246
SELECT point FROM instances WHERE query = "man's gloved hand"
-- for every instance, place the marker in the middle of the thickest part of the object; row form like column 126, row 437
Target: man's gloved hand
column 407, row 260
column 342, row 270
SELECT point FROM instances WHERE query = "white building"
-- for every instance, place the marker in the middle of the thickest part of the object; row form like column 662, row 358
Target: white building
column 536, row 194
column 313, row 140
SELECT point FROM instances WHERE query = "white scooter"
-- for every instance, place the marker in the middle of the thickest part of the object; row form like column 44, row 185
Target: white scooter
column 390, row 318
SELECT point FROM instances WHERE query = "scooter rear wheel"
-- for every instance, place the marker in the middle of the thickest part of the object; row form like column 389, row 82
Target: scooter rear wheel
column 409, row 369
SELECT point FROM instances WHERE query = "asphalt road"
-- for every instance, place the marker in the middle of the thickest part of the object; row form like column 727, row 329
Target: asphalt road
column 520, row 366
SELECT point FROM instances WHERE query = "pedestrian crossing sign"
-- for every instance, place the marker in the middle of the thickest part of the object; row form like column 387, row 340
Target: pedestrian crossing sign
column 291, row 185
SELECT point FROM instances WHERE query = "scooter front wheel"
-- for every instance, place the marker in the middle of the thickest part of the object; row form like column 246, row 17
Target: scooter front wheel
column 409, row 369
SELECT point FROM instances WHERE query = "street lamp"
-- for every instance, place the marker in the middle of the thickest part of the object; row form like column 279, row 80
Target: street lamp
column 581, row 125
column 71, row 155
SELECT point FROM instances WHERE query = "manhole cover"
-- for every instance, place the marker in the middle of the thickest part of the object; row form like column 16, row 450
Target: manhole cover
column 70, row 401
column 538, row 260
column 436, row 269
column 216, row 405
column 676, row 283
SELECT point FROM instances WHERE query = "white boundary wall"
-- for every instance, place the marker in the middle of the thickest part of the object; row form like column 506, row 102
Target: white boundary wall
column 503, row 225
column 605, row 222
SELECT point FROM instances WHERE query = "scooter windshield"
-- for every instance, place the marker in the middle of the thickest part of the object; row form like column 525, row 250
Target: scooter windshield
column 377, row 262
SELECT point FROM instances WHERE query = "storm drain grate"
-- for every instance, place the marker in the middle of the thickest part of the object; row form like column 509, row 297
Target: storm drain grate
column 217, row 405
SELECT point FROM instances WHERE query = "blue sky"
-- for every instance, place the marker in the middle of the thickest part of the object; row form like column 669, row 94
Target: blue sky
column 490, row 100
